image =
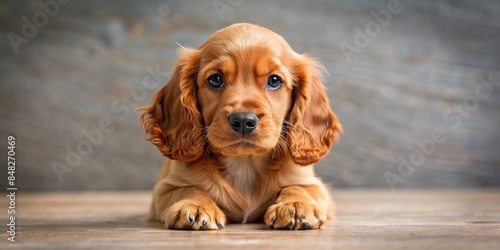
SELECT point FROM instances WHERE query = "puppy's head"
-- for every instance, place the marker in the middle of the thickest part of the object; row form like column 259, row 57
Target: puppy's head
column 243, row 92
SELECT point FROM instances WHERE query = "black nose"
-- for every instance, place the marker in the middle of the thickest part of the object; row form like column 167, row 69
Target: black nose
column 243, row 122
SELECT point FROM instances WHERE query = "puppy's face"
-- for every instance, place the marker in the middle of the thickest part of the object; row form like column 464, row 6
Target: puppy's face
column 244, row 90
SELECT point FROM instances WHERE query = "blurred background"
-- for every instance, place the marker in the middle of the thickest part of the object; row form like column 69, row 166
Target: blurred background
column 416, row 85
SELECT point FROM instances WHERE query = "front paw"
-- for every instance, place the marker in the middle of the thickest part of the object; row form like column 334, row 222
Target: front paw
column 294, row 216
column 193, row 215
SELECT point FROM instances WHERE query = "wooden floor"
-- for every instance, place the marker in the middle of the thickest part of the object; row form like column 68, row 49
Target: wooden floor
column 447, row 219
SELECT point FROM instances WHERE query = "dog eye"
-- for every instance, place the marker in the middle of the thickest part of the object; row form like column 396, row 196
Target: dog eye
column 215, row 81
column 274, row 82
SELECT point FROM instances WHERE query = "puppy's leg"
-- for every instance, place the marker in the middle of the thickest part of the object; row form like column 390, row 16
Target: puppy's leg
column 298, row 207
column 186, row 208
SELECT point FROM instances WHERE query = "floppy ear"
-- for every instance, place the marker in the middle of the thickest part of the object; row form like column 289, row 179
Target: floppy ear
column 173, row 122
column 313, row 126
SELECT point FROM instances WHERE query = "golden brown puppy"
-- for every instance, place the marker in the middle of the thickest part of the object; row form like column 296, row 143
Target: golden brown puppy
column 241, row 121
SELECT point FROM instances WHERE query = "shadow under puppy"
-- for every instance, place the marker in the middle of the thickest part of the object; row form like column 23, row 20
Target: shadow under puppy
column 241, row 122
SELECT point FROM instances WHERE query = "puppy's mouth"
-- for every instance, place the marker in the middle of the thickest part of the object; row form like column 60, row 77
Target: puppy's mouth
column 244, row 144
column 240, row 146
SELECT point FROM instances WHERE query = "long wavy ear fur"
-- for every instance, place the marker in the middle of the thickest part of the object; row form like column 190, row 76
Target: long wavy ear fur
column 173, row 122
column 313, row 125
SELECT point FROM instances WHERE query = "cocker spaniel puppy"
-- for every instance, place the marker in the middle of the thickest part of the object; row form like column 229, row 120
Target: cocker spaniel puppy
column 241, row 122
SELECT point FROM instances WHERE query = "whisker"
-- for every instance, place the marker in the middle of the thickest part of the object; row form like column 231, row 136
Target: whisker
column 295, row 127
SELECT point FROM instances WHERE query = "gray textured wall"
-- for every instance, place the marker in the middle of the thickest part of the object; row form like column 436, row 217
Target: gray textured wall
column 406, row 83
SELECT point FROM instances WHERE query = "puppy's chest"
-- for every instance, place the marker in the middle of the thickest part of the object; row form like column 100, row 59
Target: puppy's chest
column 252, row 186
column 243, row 174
